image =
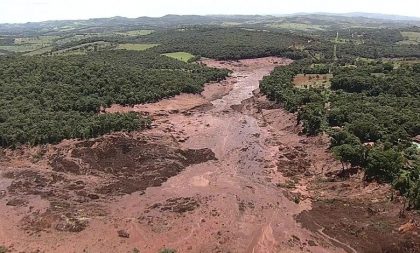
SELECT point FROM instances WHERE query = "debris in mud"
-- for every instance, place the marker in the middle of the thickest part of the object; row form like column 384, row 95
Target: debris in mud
column 312, row 243
column 3, row 157
column 31, row 182
column 289, row 184
column 123, row 233
column 37, row 222
column 156, row 223
column 128, row 165
column 160, row 217
column 61, row 164
column 343, row 174
column 17, row 202
column 63, row 216
column 3, row 249
column 195, row 156
column 293, row 196
column 2, row 194
column 294, row 163
column 353, row 223
column 409, row 226
column 243, row 205
column 214, row 213
column 74, row 225
column 87, row 171
column 177, row 205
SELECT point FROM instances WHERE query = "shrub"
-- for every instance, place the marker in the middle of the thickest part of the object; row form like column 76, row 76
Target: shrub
column 383, row 165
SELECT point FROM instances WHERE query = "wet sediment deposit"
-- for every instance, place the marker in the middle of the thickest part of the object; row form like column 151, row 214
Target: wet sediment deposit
column 222, row 171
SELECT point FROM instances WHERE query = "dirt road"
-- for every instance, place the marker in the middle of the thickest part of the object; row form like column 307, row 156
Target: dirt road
column 224, row 171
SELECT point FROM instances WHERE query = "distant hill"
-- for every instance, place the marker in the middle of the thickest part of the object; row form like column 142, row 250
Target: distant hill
column 173, row 21
column 377, row 16
column 381, row 16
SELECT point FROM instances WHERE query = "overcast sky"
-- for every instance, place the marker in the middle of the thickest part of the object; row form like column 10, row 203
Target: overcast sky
column 13, row 11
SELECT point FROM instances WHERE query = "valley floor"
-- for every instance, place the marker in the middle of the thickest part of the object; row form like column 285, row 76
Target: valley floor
column 224, row 171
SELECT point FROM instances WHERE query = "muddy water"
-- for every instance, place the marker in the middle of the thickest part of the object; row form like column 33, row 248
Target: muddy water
column 240, row 207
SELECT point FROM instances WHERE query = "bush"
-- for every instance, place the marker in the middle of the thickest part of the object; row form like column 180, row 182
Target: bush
column 312, row 117
column 365, row 130
column 352, row 154
column 383, row 165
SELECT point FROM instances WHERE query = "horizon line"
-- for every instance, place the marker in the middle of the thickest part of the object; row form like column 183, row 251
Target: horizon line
column 405, row 18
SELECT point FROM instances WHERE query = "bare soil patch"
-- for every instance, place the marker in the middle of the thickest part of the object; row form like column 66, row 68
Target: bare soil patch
column 312, row 80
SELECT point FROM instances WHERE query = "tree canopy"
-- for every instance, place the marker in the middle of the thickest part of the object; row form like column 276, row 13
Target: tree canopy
column 47, row 99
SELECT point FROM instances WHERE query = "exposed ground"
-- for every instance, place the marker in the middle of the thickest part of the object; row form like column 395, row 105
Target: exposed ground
column 182, row 56
column 312, row 80
column 224, row 171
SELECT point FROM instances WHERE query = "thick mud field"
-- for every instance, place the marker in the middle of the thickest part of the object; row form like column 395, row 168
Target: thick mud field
column 223, row 171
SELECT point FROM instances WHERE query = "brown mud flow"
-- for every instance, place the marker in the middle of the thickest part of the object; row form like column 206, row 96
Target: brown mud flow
column 224, row 171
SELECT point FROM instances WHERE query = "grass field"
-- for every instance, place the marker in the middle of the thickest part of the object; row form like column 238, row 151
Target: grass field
column 415, row 36
column 312, row 80
column 136, row 47
column 76, row 37
column 401, row 61
column 136, row 32
column 182, row 56
column 29, row 44
column 70, row 52
column 404, row 61
column 84, row 48
column 67, row 28
column 410, row 38
column 378, row 74
column 231, row 24
column 43, row 40
column 295, row 26
column 21, row 48
column 39, row 51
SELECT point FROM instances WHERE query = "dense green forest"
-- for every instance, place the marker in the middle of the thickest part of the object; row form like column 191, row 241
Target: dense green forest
column 228, row 43
column 367, row 103
column 47, row 99
column 214, row 42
